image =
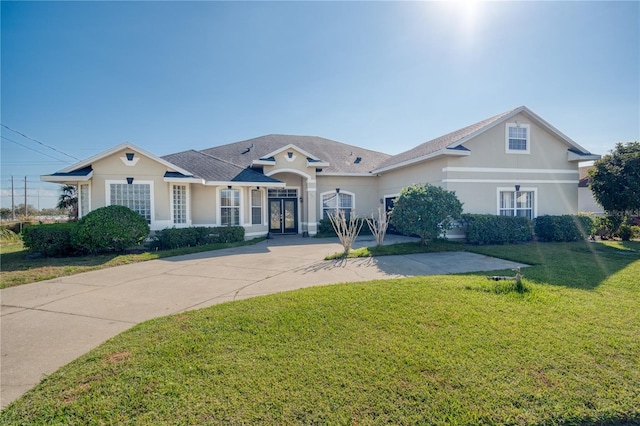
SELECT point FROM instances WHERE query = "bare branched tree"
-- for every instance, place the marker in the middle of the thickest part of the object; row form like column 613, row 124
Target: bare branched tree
column 346, row 229
column 379, row 227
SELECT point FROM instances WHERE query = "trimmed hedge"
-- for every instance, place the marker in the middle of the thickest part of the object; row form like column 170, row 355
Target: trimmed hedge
column 491, row 229
column 50, row 240
column 563, row 228
column 110, row 228
column 196, row 236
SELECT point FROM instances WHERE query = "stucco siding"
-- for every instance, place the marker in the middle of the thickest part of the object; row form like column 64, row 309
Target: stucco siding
column 393, row 181
column 113, row 169
column 364, row 188
column 204, row 205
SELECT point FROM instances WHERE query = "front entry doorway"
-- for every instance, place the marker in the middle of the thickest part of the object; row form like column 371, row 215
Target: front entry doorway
column 283, row 211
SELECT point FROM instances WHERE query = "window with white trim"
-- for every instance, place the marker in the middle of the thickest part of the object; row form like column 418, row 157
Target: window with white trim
column 518, row 138
column 517, row 203
column 179, row 198
column 333, row 202
column 230, row 207
column 136, row 196
column 83, row 204
column 256, row 207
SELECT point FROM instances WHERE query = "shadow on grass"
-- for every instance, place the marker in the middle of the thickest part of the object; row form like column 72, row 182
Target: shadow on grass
column 584, row 265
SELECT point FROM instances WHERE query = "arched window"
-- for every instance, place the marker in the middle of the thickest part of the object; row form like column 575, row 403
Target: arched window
column 334, row 201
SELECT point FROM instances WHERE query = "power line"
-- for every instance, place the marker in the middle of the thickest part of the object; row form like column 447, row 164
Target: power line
column 33, row 149
column 41, row 143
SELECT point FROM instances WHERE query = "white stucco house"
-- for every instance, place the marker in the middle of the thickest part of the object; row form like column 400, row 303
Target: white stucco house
column 514, row 163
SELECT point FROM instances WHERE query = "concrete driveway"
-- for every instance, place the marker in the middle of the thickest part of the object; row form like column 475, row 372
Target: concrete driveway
column 47, row 324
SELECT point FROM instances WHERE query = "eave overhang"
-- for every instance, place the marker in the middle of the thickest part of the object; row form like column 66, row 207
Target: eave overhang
column 573, row 155
column 456, row 152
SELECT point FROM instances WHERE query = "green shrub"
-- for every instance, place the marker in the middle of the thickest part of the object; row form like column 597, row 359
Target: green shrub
column 50, row 240
column 195, row 236
column 627, row 232
column 110, row 228
column 563, row 228
column 491, row 229
column 603, row 227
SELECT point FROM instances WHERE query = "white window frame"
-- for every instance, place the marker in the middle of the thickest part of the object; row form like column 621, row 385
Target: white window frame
column 88, row 200
column 240, row 206
column 261, row 206
column 512, row 190
column 322, row 209
column 508, row 150
column 107, row 197
column 187, row 196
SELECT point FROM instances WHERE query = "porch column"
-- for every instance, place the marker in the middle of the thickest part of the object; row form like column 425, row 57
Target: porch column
column 312, row 208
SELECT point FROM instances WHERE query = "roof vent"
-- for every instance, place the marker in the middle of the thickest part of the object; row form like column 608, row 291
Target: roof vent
column 357, row 160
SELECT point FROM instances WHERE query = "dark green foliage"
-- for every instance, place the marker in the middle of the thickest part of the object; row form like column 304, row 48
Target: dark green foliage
column 604, row 227
column 563, row 228
column 196, row 236
column 427, row 211
column 50, row 240
column 491, row 229
column 627, row 232
column 615, row 180
column 110, row 228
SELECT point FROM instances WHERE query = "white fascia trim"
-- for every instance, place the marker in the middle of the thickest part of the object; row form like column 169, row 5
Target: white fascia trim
column 508, row 170
column 361, row 174
column 287, row 147
column 245, row 184
column 122, row 146
column 572, row 156
column 446, row 151
column 317, row 164
column 184, row 180
column 514, row 181
column 64, row 179
column 263, row 162
column 294, row 171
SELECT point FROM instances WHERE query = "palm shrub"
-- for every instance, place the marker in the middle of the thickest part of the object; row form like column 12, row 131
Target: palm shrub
column 110, row 228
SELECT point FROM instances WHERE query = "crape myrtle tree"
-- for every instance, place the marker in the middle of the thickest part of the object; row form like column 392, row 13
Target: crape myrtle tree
column 427, row 211
column 615, row 180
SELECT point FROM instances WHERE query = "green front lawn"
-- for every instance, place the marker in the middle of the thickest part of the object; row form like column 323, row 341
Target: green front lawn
column 425, row 350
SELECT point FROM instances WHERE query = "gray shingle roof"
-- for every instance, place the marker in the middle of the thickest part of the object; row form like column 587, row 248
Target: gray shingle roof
column 449, row 140
column 210, row 168
column 341, row 157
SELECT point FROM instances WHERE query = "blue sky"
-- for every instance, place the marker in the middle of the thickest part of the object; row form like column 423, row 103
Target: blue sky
column 82, row 77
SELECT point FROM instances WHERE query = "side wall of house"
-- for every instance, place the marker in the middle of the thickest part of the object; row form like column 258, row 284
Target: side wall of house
column 117, row 168
column 363, row 188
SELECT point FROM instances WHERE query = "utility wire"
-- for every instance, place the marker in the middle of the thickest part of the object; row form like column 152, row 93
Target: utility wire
column 37, row 141
column 33, row 149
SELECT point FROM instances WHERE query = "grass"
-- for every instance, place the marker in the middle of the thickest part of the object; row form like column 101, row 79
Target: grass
column 424, row 350
column 400, row 249
column 16, row 269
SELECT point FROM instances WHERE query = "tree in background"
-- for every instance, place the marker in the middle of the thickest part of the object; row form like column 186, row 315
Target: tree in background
column 615, row 180
column 68, row 200
column 427, row 211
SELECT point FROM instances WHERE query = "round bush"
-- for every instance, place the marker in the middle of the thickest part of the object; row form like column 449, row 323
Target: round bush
column 110, row 228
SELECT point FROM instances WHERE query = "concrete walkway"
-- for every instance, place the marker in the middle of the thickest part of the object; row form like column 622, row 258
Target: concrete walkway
column 46, row 325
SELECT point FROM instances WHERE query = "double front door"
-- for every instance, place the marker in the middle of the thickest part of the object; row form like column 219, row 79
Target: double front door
column 283, row 215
